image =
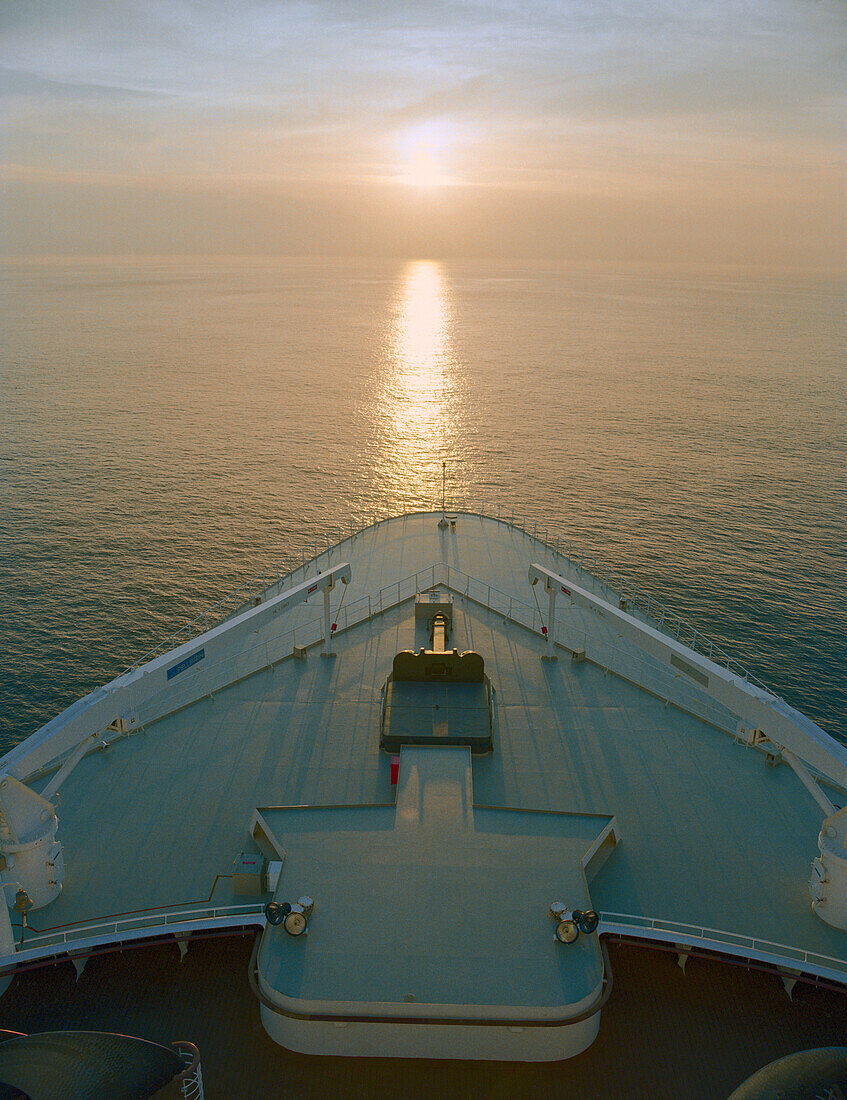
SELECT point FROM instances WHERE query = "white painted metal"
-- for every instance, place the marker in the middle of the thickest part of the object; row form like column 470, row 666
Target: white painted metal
column 828, row 885
column 62, row 774
column 121, row 697
column 7, row 941
column 274, row 871
column 756, row 707
column 551, row 590
column 227, row 916
column 197, row 680
column 162, row 923
column 206, row 678
column 410, row 1040
column 727, row 943
column 628, row 591
column 808, row 781
column 191, row 1079
column 32, row 856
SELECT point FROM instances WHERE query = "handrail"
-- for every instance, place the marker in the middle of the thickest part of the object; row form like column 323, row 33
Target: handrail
column 191, row 1078
column 204, row 680
column 649, row 673
column 646, row 672
column 636, row 598
column 170, row 921
column 158, row 920
column 704, row 935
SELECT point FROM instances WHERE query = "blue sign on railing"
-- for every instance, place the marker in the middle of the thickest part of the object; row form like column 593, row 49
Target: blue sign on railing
column 185, row 663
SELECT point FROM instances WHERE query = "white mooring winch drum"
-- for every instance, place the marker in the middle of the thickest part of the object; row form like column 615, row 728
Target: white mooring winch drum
column 828, row 884
column 31, row 857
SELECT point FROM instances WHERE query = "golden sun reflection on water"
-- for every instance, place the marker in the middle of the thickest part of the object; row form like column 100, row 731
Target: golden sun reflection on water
column 418, row 389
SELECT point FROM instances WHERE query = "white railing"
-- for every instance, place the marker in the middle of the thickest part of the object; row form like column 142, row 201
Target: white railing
column 191, row 1078
column 205, row 680
column 139, row 925
column 647, row 673
column 173, row 920
column 610, row 580
column 718, row 940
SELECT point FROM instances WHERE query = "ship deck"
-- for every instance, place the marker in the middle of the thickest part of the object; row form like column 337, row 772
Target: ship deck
column 715, row 845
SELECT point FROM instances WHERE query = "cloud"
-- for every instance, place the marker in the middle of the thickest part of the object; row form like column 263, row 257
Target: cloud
column 572, row 97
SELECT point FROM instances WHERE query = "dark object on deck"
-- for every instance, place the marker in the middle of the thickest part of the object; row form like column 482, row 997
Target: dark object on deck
column 436, row 697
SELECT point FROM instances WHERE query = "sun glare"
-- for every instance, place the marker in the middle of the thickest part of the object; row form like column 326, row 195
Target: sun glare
column 423, row 360
column 424, row 152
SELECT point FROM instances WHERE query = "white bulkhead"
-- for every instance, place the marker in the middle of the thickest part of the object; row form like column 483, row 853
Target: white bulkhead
column 828, row 884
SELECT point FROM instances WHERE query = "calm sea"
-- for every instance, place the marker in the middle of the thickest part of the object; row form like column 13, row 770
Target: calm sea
column 168, row 428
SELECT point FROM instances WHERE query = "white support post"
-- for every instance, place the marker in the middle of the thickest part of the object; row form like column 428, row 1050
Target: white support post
column 327, row 626
column 808, row 781
column 551, row 619
column 62, row 774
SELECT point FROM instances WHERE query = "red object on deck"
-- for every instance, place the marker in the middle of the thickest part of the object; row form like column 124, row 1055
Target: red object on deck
column 395, row 770
column 544, row 630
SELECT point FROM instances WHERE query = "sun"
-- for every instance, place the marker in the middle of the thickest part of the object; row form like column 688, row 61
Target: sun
column 424, row 151
column 424, row 170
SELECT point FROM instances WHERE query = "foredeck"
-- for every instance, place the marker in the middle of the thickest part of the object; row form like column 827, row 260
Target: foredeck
column 715, row 845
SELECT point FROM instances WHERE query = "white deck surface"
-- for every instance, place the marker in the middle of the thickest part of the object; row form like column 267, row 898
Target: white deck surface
column 439, row 904
column 710, row 835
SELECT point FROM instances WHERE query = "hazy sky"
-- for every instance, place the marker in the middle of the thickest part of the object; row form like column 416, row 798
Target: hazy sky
column 599, row 130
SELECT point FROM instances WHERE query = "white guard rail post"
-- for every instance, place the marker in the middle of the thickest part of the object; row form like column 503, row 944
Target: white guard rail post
column 757, row 708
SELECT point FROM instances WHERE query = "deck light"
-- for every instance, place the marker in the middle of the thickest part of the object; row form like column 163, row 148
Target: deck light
column 296, row 921
column 276, row 913
column 567, row 931
column 586, row 921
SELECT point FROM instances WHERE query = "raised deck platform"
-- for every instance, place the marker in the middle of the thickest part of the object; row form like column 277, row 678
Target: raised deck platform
column 431, row 918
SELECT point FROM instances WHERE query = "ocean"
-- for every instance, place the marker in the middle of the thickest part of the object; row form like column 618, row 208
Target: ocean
column 170, row 427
